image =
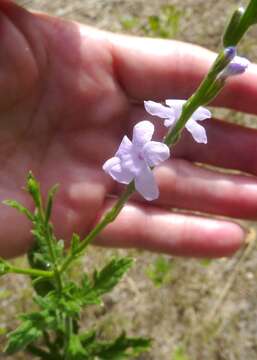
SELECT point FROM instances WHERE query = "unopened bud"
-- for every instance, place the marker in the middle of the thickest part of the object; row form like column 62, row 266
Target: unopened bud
column 236, row 67
column 230, row 37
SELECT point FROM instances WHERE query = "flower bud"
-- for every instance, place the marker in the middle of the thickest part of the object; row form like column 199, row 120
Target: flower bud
column 230, row 35
column 236, row 67
column 224, row 58
column 230, row 53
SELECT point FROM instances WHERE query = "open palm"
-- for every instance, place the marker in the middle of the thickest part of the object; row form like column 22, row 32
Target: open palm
column 68, row 95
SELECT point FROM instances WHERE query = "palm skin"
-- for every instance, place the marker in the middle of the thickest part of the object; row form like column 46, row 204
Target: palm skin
column 68, row 95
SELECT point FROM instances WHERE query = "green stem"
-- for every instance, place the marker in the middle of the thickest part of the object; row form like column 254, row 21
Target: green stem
column 31, row 272
column 68, row 334
column 249, row 18
column 198, row 98
column 109, row 217
column 57, row 275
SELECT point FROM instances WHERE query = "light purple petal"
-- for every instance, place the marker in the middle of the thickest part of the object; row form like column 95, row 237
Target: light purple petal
column 114, row 169
column 155, row 152
column 129, row 156
column 198, row 131
column 176, row 105
column 169, row 122
column 145, row 184
column 157, row 109
column 132, row 162
column 201, row 114
column 142, row 133
column 125, row 147
column 236, row 67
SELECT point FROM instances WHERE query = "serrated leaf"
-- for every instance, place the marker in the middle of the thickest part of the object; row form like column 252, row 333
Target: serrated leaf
column 122, row 348
column 33, row 189
column 21, row 208
column 75, row 349
column 49, row 202
column 75, row 240
column 59, row 248
column 38, row 258
column 24, row 335
column 107, row 278
column 87, row 292
column 43, row 319
column 160, row 272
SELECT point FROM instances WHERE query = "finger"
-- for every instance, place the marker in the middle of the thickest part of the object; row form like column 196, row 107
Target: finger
column 184, row 185
column 229, row 145
column 175, row 234
column 161, row 69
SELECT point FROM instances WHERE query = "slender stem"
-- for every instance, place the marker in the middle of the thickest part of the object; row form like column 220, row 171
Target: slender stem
column 68, row 334
column 31, row 272
column 57, row 275
column 248, row 19
column 198, row 98
column 109, row 217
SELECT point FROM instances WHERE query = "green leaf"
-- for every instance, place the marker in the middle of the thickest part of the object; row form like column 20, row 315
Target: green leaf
column 16, row 205
column 38, row 258
column 87, row 293
column 160, row 271
column 59, row 248
column 129, row 22
column 154, row 23
column 33, row 189
column 121, row 348
column 165, row 24
column 75, row 349
column 232, row 27
column 24, row 335
column 179, row 354
column 75, row 240
column 107, row 278
column 49, row 203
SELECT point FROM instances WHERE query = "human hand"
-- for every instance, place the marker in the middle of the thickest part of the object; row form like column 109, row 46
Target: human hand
column 68, row 95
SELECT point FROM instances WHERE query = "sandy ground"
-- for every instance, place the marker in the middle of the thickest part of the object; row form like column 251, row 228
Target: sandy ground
column 211, row 309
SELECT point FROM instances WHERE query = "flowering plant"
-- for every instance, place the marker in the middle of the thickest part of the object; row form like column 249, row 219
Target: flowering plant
column 54, row 331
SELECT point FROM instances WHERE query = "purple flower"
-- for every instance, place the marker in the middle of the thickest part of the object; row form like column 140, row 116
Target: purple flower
column 172, row 112
column 133, row 160
column 236, row 67
column 230, row 53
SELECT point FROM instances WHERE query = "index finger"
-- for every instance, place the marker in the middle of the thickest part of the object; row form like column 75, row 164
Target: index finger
column 159, row 69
